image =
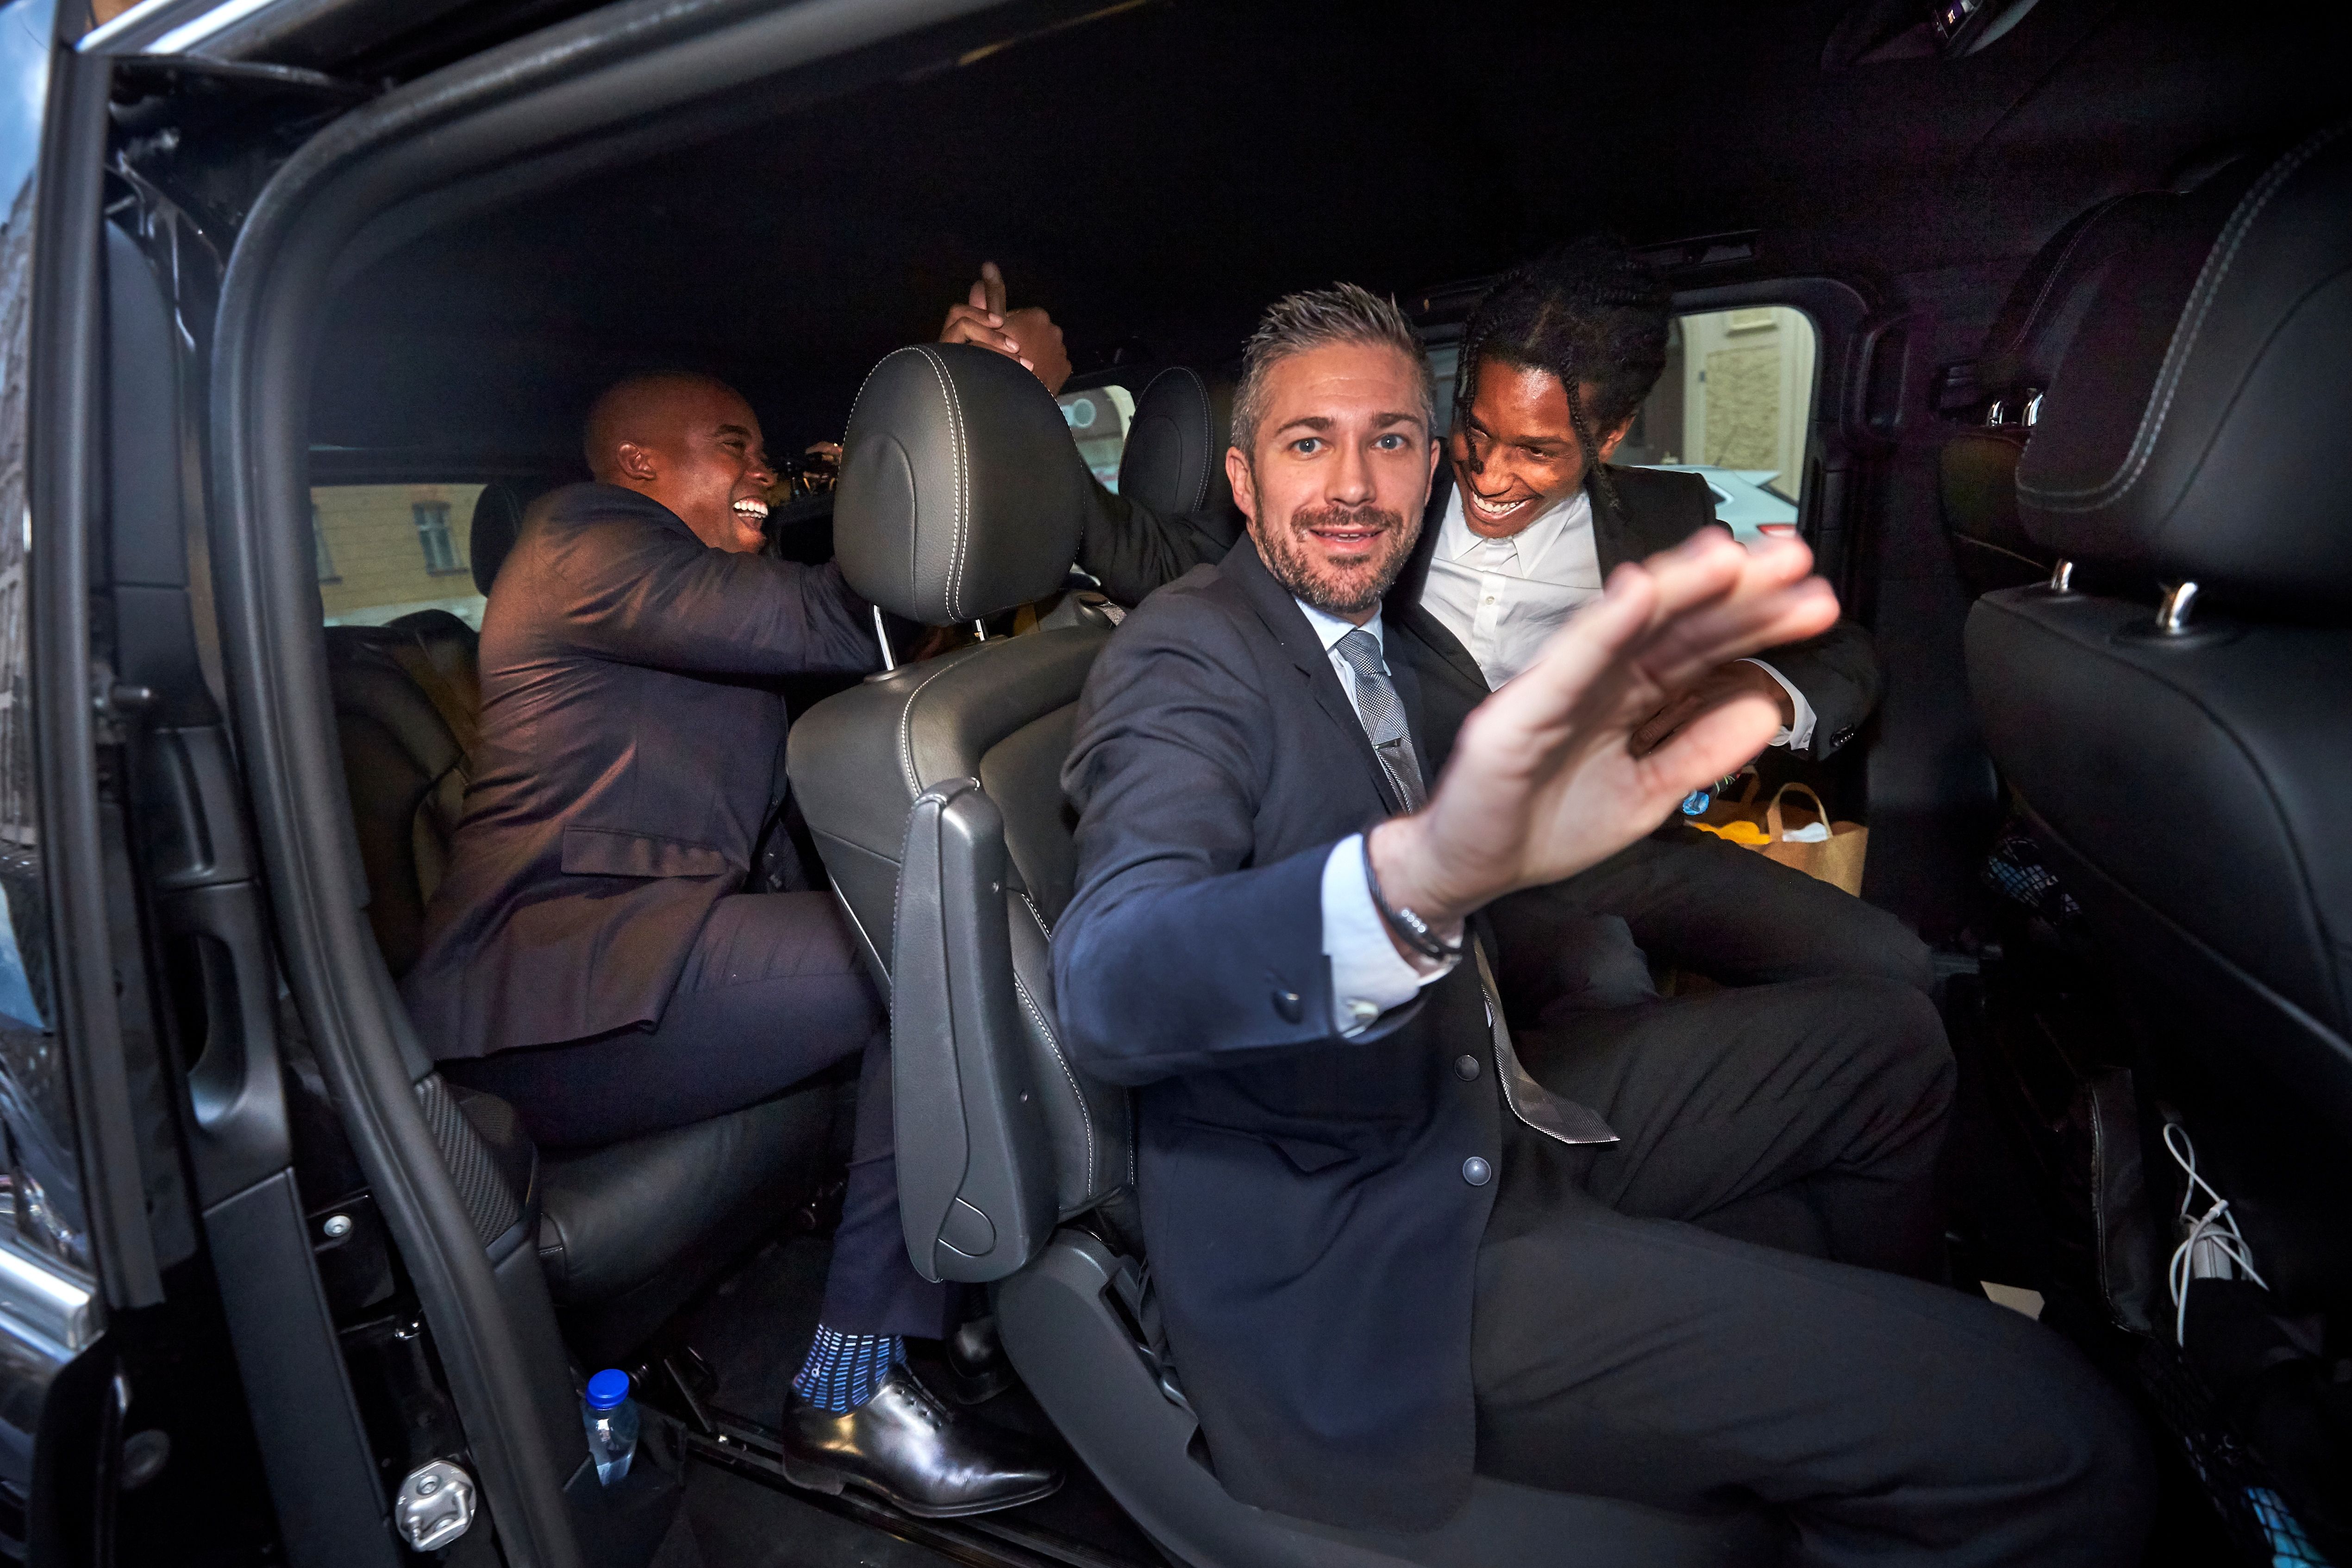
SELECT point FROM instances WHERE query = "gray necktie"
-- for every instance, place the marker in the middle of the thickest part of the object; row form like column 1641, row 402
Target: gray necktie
column 1381, row 713
column 1382, row 717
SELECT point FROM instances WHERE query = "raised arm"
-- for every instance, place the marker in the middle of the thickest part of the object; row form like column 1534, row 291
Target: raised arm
column 642, row 593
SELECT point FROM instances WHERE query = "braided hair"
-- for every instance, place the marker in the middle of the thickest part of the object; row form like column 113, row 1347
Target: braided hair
column 1588, row 311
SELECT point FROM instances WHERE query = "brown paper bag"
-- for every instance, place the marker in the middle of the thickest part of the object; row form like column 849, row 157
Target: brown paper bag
column 1836, row 859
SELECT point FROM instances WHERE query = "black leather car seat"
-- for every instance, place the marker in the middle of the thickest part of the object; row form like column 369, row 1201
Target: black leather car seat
column 2152, row 231
column 934, row 794
column 1174, row 460
column 626, row 1233
column 2185, row 765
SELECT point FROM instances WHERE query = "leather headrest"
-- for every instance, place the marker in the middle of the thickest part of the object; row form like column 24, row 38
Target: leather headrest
column 961, row 492
column 2197, row 424
column 2045, row 308
column 497, row 519
column 1174, row 460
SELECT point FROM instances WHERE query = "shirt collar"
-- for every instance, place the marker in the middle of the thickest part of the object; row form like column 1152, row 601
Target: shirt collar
column 1330, row 627
column 1455, row 540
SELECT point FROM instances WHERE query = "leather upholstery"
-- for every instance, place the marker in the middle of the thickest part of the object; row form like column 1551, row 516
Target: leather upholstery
column 2038, row 322
column 2186, row 786
column 625, row 1233
column 962, row 494
column 996, row 524
column 1000, row 712
column 497, row 520
column 2191, row 438
column 402, row 764
column 1174, row 460
column 613, row 1218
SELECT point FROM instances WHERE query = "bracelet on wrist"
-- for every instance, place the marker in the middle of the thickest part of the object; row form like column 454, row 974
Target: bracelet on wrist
column 1411, row 928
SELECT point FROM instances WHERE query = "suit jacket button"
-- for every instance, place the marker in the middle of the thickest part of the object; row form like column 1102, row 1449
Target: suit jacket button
column 1288, row 1004
column 1465, row 1068
column 1476, row 1172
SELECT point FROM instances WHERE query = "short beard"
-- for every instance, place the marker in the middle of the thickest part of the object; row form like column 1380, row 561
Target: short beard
column 1359, row 590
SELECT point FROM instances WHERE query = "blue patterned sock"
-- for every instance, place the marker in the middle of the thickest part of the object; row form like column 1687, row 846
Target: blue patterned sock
column 843, row 1368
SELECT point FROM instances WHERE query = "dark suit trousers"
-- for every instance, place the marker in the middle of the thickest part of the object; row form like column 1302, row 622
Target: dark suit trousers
column 1632, row 1339
column 772, row 993
column 1726, row 913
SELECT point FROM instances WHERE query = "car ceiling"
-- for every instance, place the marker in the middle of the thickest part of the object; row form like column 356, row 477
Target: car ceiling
column 1154, row 174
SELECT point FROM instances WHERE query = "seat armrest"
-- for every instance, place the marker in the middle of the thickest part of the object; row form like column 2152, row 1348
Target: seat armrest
column 976, row 1191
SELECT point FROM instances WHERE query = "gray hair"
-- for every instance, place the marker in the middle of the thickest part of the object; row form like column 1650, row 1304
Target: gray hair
column 1322, row 319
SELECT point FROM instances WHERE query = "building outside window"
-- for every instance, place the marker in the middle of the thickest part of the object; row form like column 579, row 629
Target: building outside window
column 432, row 533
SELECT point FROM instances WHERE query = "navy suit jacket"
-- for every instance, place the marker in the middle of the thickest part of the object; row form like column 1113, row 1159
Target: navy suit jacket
column 1311, row 1233
column 632, row 745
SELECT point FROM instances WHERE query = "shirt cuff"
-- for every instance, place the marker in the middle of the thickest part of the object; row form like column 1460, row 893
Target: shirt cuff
column 1799, row 734
column 1369, row 976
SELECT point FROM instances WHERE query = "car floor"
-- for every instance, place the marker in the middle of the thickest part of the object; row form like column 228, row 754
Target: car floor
column 750, row 1330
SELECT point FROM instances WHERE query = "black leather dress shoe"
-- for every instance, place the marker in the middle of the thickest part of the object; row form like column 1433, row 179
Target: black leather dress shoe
column 915, row 1451
column 978, row 1370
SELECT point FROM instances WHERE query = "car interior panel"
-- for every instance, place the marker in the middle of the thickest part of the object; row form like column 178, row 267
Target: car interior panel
column 2075, row 286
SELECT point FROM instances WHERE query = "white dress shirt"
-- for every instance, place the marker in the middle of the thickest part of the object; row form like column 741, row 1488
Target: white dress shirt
column 1505, row 598
column 1369, row 976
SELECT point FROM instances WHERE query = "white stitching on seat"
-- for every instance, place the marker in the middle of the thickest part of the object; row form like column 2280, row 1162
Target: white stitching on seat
column 963, row 460
column 1086, row 1118
column 2184, row 338
column 907, row 729
column 1044, row 930
column 2050, row 281
column 1208, row 434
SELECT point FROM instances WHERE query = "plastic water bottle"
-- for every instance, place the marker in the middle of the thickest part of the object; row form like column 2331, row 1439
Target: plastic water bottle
column 611, row 1422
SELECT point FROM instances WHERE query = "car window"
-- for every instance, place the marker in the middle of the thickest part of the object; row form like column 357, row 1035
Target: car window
column 1099, row 418
column 1733, row 405
column 387, row 551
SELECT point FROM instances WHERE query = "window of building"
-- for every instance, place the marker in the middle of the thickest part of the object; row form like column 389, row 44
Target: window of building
column 1734, row 405
column 432, row 533
column 388, row 550
column 1097, row 418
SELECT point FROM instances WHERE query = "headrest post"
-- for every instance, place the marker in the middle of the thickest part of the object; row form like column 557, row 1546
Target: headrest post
column 2062, row 578
column 979, row 630
column 882, row 636
column 2033, row 411
column 1994, row 414
column 2172, row 614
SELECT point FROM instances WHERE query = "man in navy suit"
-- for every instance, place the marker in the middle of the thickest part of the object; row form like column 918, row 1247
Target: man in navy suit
column 1391, row 1245
column 592, row 957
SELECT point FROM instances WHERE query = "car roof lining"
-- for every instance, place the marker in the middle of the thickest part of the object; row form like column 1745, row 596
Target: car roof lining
column 1160, row 172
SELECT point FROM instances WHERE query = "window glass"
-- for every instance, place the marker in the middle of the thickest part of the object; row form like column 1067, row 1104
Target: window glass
column 388, row 550
column 1734, row 405
column 1097, row 418
column 41, row 1208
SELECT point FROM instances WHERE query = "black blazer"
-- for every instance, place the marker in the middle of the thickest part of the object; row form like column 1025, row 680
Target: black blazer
column 1132, row 550
column 632, row 743
column 1311, row 1233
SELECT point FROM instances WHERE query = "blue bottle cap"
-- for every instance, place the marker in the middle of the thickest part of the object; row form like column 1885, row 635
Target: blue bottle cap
column 1695, row 802
column 608, row 1388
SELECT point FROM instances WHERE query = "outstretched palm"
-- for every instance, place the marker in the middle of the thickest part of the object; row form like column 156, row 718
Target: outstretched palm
column 1544, row 781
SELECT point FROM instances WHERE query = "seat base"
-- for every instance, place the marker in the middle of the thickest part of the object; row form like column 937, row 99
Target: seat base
column 1080, row 1362
column 627, row 1233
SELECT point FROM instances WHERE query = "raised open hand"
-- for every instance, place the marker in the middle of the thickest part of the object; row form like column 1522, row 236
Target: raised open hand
column 1543, row 779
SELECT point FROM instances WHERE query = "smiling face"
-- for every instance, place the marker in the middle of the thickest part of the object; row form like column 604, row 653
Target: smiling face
column 1515, row 450
column 1341, row 470
column 693, row 444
